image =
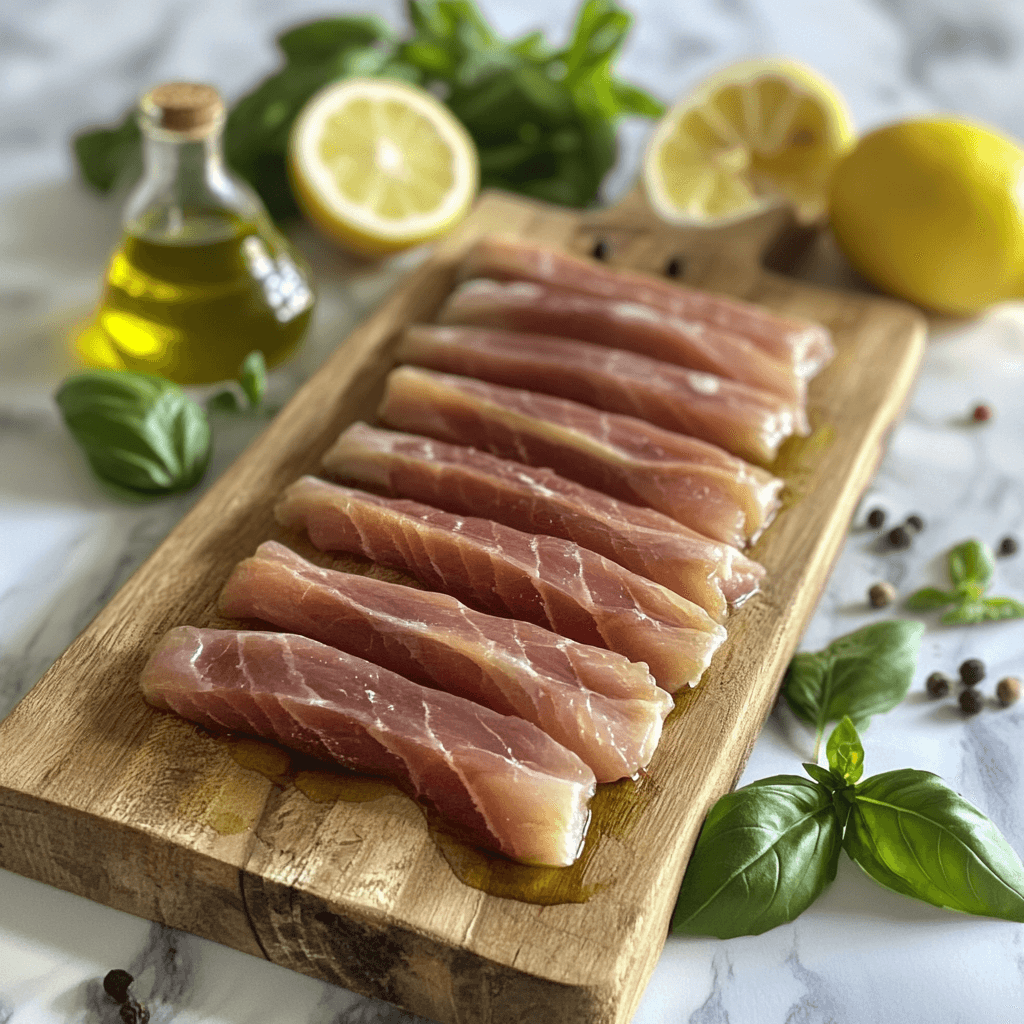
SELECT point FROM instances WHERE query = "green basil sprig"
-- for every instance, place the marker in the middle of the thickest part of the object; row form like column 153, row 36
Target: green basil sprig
column 861, row 674
column 252, row 379
column 543, row 119
column 971, row 565
column 139, row 432
column 768, row 850
column 764, row 856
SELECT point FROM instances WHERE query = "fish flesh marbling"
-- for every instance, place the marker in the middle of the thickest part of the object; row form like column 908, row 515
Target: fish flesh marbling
column 504, row 783
column 741, row 419
column 806, row 345
column 534, row 499
column 535, row 308
column 545, row 580
column 694, row 482
column 596, row 703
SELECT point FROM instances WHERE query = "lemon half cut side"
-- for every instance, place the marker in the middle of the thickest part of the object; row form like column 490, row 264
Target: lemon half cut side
column 379, row 165
column 759, row 134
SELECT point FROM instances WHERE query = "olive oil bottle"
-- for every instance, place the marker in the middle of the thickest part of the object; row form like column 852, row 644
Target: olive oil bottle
column 200, row 277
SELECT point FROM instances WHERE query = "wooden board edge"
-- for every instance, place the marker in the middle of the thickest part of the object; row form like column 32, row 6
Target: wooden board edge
column 592, row 997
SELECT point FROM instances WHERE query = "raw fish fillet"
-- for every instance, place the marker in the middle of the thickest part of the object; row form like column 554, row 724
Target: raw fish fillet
column 602, row 707
column 736, row 417
column 696, row 483
column 806, row 345
column 620, row 323
column 536, row 500
column 500, row 781
column 544, row 580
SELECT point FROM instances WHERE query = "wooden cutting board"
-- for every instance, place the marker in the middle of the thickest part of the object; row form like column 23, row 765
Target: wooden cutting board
column 344, row 878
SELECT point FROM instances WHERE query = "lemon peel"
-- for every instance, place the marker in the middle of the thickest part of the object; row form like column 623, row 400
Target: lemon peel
column 932, row 210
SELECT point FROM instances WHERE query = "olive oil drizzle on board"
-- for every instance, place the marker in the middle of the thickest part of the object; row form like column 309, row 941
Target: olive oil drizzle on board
column 613, row 809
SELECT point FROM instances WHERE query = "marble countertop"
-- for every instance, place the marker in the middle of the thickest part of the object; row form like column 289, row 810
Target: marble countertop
column 860, row 954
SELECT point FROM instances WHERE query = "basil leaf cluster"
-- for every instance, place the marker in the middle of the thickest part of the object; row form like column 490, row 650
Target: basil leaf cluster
column 768, row 850
column 139, row 432
column 971, row 565
column 861, row 674
column 543, row 118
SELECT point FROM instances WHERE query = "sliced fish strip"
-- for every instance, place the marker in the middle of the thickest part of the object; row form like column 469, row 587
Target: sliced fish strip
column 696, row 483
column 533, row 499
column 596, row 703
column 544, row 580
column 620, row 323
column 501, row 781
column 741, row 419
column 807, row 346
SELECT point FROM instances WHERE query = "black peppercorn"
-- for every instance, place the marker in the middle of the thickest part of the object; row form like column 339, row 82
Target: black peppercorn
column 937, row 685
column 970, row 702
column 915, row 522
column 899, row 537
column 601, row 249
column 674, row 267
column 876, row 518
column 116, row 984
column 972, row 671
column 1008, row 691
column 1007, row 546
column 881, row 594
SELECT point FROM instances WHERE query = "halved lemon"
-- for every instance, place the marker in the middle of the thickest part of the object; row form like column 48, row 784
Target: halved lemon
column 379, row 165
column 759, row 134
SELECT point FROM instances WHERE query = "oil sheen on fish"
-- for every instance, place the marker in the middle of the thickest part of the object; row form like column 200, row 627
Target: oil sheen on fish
column 545, row 580
column 807, row 346
column 537, row 500
column 741, row 419
column 500, row 781
column 596, row 703
column 696, row 483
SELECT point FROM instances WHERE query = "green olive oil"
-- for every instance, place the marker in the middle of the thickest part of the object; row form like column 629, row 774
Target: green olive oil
column 192, row 308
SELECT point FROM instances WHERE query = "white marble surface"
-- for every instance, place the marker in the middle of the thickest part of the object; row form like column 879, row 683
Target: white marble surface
column 859, row 955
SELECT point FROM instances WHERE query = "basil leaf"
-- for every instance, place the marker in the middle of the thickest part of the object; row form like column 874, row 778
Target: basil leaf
column 971, row 562
column 820, row 775
column 110, row 156
column 766, row 852
column 253, row 377
column 861, row 674
column 989, row 609
column 928, row 599
column 138, row 431
column 910, row 832
column 996, row 608
column 321, row 40
column 845, row 753
column 223, row 401
column 964, row 614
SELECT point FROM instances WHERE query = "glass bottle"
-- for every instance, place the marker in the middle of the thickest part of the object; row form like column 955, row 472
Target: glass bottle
column 201, row 276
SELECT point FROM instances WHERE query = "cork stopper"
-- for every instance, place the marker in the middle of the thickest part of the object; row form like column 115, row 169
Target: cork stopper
column 186, row 107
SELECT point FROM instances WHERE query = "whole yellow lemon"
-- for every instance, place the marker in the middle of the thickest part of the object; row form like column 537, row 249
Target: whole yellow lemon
column 933, row 211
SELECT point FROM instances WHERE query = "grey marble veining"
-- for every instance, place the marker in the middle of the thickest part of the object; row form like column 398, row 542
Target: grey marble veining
column 860, row 954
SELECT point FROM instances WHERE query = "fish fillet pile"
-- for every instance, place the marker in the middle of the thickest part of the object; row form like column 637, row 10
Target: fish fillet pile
column 571, row 464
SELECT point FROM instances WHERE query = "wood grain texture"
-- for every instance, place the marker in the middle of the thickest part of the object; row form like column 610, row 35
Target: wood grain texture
column 342, row 879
